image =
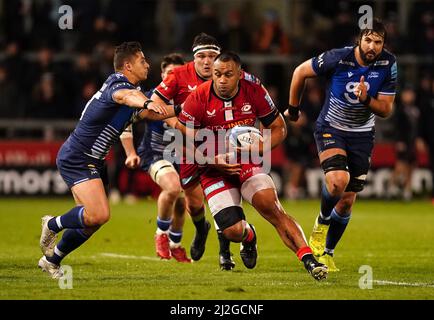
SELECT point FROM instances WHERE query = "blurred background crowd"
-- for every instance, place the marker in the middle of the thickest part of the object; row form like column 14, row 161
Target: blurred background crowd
column 48, row 74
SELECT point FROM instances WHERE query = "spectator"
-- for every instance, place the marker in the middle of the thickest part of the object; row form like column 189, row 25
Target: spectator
column 11, row 103
column 46, row 99
column 236, row 36
column 406, row 118
column 271, row 38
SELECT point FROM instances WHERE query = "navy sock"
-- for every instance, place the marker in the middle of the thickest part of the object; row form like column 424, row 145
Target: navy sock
column 163, row 225
column 199, row 221
column 175, row 237
column 328, row 202
column 73, row 219
column 71, row 240
column 336, row 230
column 223, row 242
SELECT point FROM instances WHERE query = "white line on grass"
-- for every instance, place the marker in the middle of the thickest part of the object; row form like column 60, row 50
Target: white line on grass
column 124, row 256
column 385, row 283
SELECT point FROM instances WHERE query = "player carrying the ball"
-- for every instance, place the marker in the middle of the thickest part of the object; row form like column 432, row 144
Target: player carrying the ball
column 222, row 104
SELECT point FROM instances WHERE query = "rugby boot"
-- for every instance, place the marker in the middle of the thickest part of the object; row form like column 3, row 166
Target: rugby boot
column 226, row 261
column 180, row 254
column 318, row 237
column 162, row 246
column 317, row 270
column 47, row 242
column 197, row 247
column 53, row 270
column 327, row 259
column 249, row 251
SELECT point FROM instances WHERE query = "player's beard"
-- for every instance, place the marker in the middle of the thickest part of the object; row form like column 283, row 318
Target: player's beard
column 363, row 55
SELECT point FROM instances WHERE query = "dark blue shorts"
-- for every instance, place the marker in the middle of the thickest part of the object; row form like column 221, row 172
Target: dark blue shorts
column 76, row 167
column 358, row 146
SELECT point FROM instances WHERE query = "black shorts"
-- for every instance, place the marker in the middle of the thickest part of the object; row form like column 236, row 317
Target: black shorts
column 76, row 167
column 358, row 146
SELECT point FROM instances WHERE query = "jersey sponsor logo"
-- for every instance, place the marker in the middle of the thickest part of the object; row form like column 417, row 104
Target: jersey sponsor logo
column 163, row 85
column 381, row 63
column 321, row 60
column 121, row 84
column 394, row 70
column 350, row 74
column 348, row 63
column 210, row 113
column 187, row 115
column 269, row 100
column 192, row 88
column 214, row 187
column 247, row 108
column 327, row 135
column 328, row 142
column 373, row 74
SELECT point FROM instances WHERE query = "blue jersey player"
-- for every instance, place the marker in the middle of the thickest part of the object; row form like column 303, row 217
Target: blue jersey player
column 361, row 85
column 81, row 158
column 150, row 157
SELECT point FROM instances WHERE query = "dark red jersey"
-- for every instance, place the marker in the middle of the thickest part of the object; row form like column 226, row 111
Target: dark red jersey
column 179, row 84
column 184, row 80
column 206, row 110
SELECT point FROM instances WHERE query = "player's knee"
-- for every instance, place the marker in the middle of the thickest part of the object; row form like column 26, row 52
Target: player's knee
column 336, row 185
column 97, row 218
column 194, row 207
column 172, row 192
column 235, row 232
column 229, row 220
column 336, row 172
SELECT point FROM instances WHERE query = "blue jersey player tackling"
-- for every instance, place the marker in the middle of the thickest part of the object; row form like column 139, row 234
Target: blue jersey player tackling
column 361, row 84
column 151, row 158
column 81, row 158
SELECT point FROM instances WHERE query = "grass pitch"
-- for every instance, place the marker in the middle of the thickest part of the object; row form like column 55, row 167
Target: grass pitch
column 395, row 239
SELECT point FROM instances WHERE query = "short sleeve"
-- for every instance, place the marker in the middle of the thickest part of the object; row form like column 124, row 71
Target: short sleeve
column 167, row 88
column 192, row 111
column 389, row 84
column 266, row 110
column 326, row 61
column 118, row 85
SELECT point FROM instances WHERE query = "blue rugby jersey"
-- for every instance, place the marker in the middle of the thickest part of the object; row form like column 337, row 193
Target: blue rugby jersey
column 341, row 108
column 152, row 144
column 103, row 120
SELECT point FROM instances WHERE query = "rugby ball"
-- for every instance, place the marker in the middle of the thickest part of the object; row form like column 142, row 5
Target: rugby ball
column 242, row 136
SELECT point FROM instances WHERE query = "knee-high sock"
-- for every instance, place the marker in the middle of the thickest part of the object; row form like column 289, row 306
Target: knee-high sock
column 199, row 221
column 73, row 219
column 71, row 240
column 336, row 230
column 223, row 242
column 328, row 202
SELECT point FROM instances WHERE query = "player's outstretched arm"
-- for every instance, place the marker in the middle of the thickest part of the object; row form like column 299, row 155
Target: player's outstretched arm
column 136, row 99
column 301, row 73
